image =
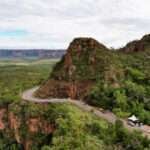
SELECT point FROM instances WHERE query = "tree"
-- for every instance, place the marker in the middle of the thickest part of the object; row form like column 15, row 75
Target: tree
column 121, row 99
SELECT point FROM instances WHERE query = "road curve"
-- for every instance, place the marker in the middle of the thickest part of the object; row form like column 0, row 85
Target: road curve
column 28, row 95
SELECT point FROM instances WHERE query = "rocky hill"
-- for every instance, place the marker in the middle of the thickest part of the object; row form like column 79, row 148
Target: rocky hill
column 137, row 45
column 85, row 62
column 112, row 80
column 118, row 80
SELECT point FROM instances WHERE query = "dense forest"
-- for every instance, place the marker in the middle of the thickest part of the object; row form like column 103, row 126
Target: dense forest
column 56, row 126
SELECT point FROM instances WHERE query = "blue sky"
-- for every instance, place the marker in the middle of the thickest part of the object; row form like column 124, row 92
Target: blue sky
column 13, row 33
column 54, row 23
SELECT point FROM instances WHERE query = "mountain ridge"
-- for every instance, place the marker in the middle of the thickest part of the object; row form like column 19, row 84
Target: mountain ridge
column 78, row 64
column 29, row 53
column 117, row 80
column 137, row 45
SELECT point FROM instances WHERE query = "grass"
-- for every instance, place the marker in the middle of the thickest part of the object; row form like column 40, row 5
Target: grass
column 18, row 75
column 26, row 62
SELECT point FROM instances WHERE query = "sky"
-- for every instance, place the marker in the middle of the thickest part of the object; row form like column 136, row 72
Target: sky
column 54, row 23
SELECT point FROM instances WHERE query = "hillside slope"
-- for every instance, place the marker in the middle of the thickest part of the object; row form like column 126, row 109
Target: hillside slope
column 138, row 45
column 30, row 126
column 115, row 80
column 80, row 68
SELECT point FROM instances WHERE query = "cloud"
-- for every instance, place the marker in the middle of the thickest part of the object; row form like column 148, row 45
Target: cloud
column 54, row 23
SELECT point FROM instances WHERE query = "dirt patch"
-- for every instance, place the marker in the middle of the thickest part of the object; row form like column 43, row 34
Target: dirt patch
column 2, row 114
column 63, row 89
column 146, row 129
column 33, row 125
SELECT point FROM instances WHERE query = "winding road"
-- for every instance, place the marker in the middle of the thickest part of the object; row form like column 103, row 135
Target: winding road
column 28, row 95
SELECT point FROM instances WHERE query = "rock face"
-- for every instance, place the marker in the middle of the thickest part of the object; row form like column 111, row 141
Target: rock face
column 86, row 62
column 71, row 76
column 64, row 89
column 80, row 51
column 2, row 112
column 138, row 45
column 12, row 124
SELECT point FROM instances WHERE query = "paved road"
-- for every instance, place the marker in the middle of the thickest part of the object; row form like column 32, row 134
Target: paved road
column 110, row 117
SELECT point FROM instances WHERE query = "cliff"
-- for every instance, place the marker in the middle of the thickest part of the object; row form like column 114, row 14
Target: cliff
column 85, row 61
column 138, row 45
column 22, row 128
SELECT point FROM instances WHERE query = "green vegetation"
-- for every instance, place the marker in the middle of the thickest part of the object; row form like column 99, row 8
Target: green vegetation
column 18, row 76
column 121, row 81
column 132, row 95
column 74, row 129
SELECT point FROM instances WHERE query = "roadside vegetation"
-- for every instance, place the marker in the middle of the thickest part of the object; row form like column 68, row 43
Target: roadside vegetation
column 17, row 75
column 115, row 80
column 74, row 129
column 130, row 92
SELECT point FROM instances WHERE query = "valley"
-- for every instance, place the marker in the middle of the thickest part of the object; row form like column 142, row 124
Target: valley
column 105, row 114
column 74, row 75
column 28, row 125
column 47, row 118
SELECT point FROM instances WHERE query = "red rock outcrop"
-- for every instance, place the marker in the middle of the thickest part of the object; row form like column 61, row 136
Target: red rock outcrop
column 13, row 123
column 2, row 113
column 63, row 89
column 137, row 45
column 64, row 83
column 85, row 61
column 38, row 124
